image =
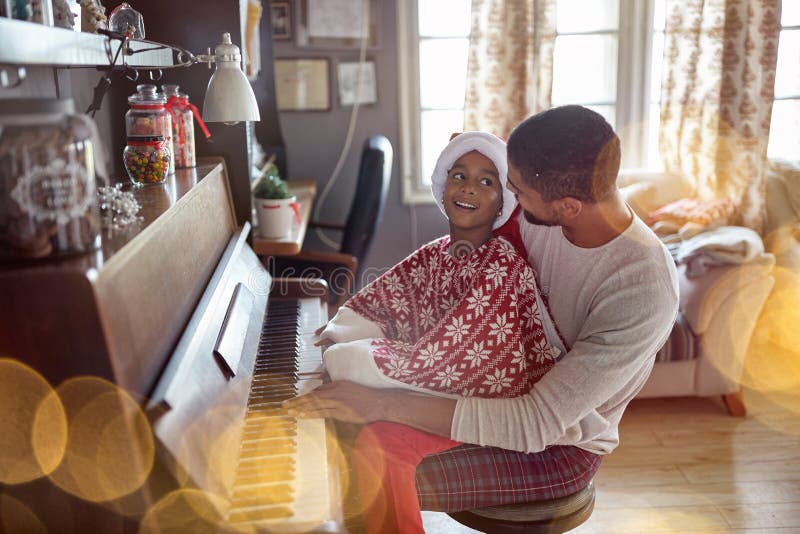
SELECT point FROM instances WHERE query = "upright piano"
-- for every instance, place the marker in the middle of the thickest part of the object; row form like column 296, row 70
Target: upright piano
column 180, row 347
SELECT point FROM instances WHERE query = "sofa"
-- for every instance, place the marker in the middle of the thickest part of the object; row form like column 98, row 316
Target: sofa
column 720, row 308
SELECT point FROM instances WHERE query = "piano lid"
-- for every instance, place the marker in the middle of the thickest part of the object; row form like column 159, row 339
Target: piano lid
column 118, row 313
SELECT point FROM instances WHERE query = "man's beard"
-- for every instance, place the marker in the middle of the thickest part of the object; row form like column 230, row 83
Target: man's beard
column 531, row 218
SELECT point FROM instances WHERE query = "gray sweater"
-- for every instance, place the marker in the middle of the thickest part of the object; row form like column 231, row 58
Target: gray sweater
column 615, row 306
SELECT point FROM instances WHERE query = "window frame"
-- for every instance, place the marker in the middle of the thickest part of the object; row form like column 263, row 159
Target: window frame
column 410, row 108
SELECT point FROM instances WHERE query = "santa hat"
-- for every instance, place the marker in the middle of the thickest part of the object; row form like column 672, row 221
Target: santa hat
column 490, row 146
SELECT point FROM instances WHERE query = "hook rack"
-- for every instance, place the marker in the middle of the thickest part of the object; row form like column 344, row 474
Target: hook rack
column 10, row 82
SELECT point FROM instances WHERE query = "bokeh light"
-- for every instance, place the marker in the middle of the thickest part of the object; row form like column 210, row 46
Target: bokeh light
column 186, row 510
column 772, row 366
column 16, row 517
column 110, row 450
column 33, row 426
column 209, row 449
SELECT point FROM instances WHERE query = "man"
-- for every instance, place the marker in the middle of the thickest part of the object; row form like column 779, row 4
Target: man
column 613, row 293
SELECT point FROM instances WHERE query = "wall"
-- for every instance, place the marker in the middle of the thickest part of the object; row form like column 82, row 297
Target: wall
column 314, row 142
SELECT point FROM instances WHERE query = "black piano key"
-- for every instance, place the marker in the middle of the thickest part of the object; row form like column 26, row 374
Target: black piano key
column 276, row 388
column 266, row 448
column 281, row 473
column 283, row 362
column 260, row 389
column 260, row 514
column 289, row 377
column 255, row 428
column 277, row 368
column 270, row 396
column 268, row 419
column 266, row 466
column 277, row 358
column 267, row 494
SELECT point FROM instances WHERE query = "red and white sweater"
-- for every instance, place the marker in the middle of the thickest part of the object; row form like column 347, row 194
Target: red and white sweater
column 473, row 326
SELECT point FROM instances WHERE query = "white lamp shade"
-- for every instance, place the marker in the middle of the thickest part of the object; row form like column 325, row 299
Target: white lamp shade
column 229, row 96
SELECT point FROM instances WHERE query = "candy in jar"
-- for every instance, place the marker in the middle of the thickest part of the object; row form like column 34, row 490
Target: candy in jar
column 147, row 159
column 148, row 117
column 182, row 126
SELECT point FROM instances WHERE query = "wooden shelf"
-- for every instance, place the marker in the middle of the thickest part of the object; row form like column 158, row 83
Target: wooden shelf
column 27, row 43
column 293, row 243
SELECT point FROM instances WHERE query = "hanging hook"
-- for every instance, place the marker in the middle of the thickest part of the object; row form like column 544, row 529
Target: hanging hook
column 6, row 81
column 132, row 75
column 156, row 75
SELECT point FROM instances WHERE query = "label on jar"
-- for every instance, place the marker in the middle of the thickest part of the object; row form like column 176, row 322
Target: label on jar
column 57, row 192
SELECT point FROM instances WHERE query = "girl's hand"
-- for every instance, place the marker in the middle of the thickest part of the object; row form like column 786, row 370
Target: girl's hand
column 322, row 342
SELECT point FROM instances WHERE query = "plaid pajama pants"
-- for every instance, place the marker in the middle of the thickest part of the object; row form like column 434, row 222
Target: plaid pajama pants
column 471, row 476
column 401, row 470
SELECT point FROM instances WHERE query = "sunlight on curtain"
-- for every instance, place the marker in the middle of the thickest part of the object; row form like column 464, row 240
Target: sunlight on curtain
column 716, row 98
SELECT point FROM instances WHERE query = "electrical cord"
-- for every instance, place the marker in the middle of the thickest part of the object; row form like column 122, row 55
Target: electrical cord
column 350, row 131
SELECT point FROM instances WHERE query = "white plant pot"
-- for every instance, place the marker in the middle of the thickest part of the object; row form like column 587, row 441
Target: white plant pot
column 276, row 217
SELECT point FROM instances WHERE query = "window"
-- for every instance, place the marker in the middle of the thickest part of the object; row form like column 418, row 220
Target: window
column 623, row 40
column 784, row 132
column 607, row 57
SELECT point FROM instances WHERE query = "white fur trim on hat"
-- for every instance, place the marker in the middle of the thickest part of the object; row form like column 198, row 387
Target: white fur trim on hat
column 490, row 146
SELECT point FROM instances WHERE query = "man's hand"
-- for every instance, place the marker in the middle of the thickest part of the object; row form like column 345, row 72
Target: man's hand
column 353, row 403
column 342, row 400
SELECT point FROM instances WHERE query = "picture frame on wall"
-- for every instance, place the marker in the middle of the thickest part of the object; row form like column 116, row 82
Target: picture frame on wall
column 302, row 84
column 357, row 82
column 281, row 17
column 336, row 24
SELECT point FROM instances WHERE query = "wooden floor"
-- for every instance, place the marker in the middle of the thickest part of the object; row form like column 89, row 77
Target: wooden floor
column 685, row 466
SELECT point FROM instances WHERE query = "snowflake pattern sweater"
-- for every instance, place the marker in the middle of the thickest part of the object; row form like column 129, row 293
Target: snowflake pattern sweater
column 473, row 326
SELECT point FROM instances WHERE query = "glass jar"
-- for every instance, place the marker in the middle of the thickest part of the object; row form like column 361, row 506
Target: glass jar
column 124, row 19
column 48, row 197
column 182, row 126
column 147, row 159
column 148, row 117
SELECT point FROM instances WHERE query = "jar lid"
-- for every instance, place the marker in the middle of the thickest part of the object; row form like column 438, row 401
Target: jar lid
column 27, row 106
column 171, row 89
column 147, row 94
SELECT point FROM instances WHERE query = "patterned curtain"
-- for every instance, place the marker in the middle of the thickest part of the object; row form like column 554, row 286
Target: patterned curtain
column 716, row 102
column 510, row 70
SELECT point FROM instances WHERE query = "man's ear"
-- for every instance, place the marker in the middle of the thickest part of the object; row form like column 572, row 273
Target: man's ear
column 569, row 207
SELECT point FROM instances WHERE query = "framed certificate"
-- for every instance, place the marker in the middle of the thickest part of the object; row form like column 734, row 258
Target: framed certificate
column 303, row 84
column 357, row 83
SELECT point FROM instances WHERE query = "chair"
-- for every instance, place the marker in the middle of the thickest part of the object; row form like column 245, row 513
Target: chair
column 343, row 268
column 541, row 517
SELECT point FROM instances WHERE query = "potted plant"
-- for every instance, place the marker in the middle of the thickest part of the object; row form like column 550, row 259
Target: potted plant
column 275, row 205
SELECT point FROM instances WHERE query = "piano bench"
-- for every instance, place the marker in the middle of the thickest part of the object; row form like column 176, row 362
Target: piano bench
column 540, row 517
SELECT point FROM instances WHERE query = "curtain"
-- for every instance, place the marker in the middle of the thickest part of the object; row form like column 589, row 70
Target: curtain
column 510, row 69
column 716, row 101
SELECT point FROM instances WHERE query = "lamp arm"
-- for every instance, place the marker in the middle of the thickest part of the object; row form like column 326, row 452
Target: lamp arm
column 184, row 57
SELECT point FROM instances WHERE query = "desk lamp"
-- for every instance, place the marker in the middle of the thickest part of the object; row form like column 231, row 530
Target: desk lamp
column 229, row 96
